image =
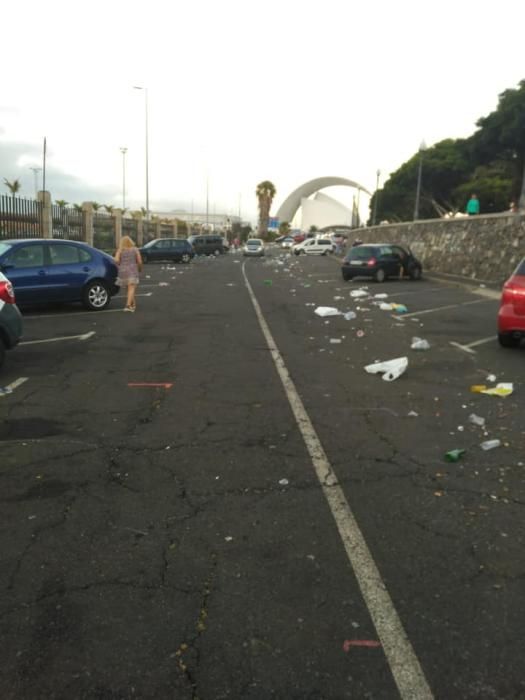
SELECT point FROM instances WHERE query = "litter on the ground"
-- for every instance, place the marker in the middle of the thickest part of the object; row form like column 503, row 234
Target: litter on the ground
column 360, row 334
column 477, row 388
column 349, row 315
column 399, row 308
column 490, row 444
column 391, row 369
column 476, row 420
column 268, row 282
column 419, row 344
column 327, row 311
column 335, row 341
column 356, row 293
column 454, row 455
column 412, row 414
column 380, row 296
column 502, row 389
column 385, row 307
column 283, row 482
column 491, row 378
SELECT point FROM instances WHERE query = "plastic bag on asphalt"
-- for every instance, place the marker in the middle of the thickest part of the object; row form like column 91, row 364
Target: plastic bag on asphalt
column 327, row 311
column 349, row 315
column 420, row 344
column 502, row 389
column 356, row 293
column 391, row 369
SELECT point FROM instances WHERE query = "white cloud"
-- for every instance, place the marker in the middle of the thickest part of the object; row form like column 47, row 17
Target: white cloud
column 240, row 92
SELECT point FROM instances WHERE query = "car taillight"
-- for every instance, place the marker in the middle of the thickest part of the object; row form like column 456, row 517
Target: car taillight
column 371, row 262
column 7, row 293
column 513, row 292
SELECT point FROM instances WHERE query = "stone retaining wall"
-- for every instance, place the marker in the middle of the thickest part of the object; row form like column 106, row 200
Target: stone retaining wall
column 483, row 248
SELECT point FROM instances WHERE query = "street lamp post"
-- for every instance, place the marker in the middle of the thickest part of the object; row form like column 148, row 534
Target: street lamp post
column 374, row 214
column 145, row 89
column 422, row 149
column 123, row 150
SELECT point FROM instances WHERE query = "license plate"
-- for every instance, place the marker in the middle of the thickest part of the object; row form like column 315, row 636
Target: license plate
column 356, row 262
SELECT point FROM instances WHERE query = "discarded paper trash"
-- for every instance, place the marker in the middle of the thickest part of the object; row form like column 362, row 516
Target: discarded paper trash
column 490, row 444
column 391, row 369
column 356, row 293
column 420, row 344
column 327, row 311
column 349, row 315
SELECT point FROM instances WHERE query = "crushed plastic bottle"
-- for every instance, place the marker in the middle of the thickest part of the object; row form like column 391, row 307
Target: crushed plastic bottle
column 419, row 344
column 349, row 315
column 476, row 420
column 490, row 444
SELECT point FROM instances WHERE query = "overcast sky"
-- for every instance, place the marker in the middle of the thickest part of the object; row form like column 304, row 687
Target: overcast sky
column 242, row 91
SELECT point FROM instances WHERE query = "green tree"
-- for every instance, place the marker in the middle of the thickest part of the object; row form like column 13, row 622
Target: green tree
column 77, row 207
column 284, row 228
column 313, row 229
column 265, row 192
column 13, row 186
column 96, row 206
column 61, row 203
column 109, row 208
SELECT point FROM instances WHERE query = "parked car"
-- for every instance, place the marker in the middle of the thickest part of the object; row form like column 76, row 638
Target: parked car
column 380, row 260
column 314, row 246
column 287, row 243
column 298, row 237
column 511, row 315
column 169, row 249
column 50, row 270
column 10, row 318
column 207, row 245
column 254, row 247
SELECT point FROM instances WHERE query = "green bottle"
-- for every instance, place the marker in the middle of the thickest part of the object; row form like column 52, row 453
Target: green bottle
column 454, row 455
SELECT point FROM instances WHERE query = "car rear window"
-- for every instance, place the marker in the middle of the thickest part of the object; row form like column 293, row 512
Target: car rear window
column 520, row 270
column 362, row 252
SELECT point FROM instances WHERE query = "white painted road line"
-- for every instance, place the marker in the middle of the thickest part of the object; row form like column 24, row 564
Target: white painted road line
column 467, row 347
column 405, row 667
column 399, row 317
column 85, row 336
column 11, row 387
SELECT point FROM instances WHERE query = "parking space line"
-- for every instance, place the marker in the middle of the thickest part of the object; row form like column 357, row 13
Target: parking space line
column 467, row 347
column 11, row 387
column 84, row 336
column 440, row 308
column 402, row 660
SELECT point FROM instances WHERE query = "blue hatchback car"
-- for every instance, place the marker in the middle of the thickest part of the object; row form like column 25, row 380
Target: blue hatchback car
column 49, row 270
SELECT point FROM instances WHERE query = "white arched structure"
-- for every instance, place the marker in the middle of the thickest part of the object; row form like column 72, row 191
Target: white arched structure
column 291, row 204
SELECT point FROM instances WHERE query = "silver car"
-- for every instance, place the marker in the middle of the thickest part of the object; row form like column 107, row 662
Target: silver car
column 254, row 247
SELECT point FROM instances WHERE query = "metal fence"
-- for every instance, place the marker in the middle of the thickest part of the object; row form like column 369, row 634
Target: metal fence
column 104, row 232
column 20, row 218
column 129, row 228
column 166, row 231
column 67, row 223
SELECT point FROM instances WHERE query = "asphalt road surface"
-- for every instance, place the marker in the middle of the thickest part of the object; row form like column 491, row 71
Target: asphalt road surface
column 211, row 498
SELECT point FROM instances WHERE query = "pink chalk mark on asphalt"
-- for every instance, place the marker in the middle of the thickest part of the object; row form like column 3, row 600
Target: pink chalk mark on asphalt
column 348, row 643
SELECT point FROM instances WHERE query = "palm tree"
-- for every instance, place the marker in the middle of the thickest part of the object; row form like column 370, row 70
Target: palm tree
column 61, row 203
column 13, row 186
column 95, row 205
column 109, row 208
column 77, row 207
column 265, row 193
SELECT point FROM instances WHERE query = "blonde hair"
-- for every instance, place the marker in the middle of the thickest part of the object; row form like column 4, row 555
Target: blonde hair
column 126, row 242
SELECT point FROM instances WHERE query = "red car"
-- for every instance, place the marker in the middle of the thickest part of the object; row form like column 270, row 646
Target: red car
column 511, row 315
column 299, row 237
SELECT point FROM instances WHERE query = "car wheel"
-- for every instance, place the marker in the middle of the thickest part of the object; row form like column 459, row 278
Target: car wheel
column 508, row 341
column 186, row 258
column 96, row 296
column 346, row 277
column 2, row 352
column 380, row 275
column 415, row 273
column 297, row 252
column 324, row 252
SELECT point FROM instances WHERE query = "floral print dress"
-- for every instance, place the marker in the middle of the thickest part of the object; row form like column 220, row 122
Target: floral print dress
column 128, row 271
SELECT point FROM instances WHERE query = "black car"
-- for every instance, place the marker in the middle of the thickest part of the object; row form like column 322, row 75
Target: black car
column 208, row 244
column 169, row 249
column 380, row 260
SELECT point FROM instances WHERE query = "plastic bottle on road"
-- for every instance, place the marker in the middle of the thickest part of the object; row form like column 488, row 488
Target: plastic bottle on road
column 490, row 444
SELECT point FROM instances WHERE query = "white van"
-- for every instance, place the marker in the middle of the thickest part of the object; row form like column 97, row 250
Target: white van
column 314, row 246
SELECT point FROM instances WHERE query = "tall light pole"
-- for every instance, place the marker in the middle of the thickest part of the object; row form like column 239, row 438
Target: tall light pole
column 374, row 213
column 123, row 150
column 422, row 149
column 36, row 170
column 145, row 89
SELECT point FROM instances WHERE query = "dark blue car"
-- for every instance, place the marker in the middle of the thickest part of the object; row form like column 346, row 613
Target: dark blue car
column 47, row 270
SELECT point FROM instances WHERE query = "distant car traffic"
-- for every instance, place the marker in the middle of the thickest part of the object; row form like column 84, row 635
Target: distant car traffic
column 50, row 270
column 254, row 247
column 511, row 315
column 287, row 243
column 168, row 249
column 299, row 237
column 208, row 244
column 10, row 318
column 380, row 260
column 314, row 246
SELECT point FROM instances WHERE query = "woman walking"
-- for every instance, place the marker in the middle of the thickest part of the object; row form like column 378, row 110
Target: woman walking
column 129, row 264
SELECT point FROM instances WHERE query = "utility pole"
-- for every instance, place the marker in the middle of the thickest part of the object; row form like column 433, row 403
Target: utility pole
column 36, row 170
column 123, row 151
